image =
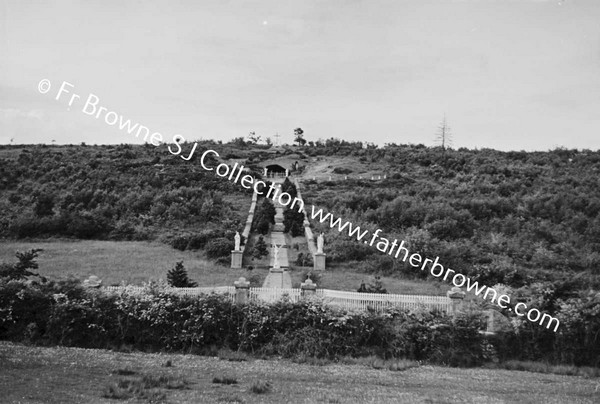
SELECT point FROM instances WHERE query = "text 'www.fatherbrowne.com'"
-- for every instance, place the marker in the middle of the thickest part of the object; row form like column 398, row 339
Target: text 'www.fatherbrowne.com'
column 399, row 251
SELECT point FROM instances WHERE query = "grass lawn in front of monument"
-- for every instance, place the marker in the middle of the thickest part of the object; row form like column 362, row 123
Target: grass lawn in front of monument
column 133, row 262
column 137, row 262
column 338, row 278
column 72, row 375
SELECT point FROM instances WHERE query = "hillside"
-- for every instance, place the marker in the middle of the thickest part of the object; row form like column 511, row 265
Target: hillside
column 506, row 217
column 525, row 223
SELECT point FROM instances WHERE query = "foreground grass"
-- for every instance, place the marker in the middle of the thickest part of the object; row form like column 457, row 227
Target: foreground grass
column 71, row 375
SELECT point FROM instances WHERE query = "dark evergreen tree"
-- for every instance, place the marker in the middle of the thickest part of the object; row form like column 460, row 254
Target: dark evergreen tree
column 21, row 270
column 260, row 248
column 178, row 277
column 293, row 222
column 289, row 187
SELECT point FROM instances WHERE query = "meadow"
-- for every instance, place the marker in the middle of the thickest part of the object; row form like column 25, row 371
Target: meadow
column 138, row 262
column 63, row 375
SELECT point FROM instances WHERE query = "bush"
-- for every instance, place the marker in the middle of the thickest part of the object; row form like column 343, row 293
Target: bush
column 374, row 286
column 293, row 222
column 178, row 277
column 66, row 314
column 260, row 248
column 261, row 387
column 219, row 247
column 341, row 170
column 180, row 243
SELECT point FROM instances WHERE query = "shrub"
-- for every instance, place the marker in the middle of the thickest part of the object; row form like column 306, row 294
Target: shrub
column 341, row 170
column 260, row 248
column 293, row 222
column 224, row 380
column 261, row 387
column 180, row 243
column 219, row 247
column 374, row 286
column 178, row 277
column 66, row 314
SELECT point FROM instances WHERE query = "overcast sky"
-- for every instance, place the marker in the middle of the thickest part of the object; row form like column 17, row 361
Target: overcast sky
column 510, row 75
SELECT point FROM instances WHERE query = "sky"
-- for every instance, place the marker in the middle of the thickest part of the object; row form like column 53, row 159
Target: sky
column 507, row 74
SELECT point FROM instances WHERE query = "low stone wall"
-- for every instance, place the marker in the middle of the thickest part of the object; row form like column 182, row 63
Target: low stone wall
column 310, row 238
column 249, row 220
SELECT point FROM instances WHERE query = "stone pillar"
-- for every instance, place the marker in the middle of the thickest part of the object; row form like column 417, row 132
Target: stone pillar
column 309, row 288
column 242, row 290
column 456, row 296
column 319, row 261
column 236, row 259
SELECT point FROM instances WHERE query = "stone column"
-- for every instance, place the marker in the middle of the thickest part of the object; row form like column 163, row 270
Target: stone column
column 309, row 288
column 456, row 296
column 236, row 259
column 319, row 261
column 242, row 290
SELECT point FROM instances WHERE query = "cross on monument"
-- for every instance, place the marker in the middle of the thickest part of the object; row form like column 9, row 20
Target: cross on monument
column 277, row 136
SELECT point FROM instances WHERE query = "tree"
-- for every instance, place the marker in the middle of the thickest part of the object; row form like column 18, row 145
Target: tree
column 269, row 142
column 443, row 137
column 260, row 248
column 253, row 137
column 178, row 277
column 299, row 137
column 289, row 187
column 20, row 270
column 44, row 205
column 293, row 222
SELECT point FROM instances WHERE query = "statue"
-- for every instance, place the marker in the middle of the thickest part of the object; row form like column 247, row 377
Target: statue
column 275, row 256
column 266, row 171
column 320, row 244
column 237, row 241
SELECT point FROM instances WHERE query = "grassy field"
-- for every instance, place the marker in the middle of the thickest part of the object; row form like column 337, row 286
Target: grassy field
column 72, row 375
column 136, row 262
column 133, row 262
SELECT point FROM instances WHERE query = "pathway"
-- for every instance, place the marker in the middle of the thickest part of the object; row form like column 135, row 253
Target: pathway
column 278, row 276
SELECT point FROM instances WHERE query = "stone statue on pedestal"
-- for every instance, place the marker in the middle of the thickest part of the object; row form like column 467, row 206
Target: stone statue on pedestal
column 275, row 256
column 237, row 241
column 320, row 244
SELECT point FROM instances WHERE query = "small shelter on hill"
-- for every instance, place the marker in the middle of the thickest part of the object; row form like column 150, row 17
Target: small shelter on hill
column 275, row 169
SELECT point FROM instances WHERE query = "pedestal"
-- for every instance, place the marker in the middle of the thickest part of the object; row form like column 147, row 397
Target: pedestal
column 319, row 259
column 236, row 259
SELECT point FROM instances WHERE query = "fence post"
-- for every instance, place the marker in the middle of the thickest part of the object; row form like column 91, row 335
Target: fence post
column 308, row 288
column 456, row 296
column 242, row 290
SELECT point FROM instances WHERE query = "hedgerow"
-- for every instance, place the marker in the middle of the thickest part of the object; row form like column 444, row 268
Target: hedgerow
column 66, row 314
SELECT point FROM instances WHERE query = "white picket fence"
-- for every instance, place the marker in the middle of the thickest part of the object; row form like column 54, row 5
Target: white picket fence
column 376, row 301
column 178, row 291
column 339, row 298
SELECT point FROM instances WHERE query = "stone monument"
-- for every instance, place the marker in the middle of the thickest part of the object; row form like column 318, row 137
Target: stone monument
column 236, row 253
column 237, row 241
column 276, row 267
column 319, row 261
